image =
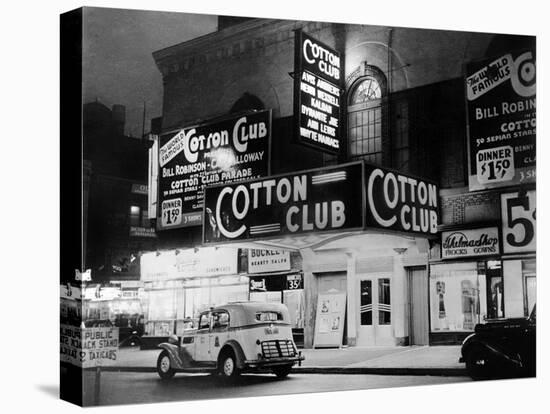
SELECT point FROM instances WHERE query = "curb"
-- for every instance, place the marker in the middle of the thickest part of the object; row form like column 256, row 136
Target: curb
column 442, row 372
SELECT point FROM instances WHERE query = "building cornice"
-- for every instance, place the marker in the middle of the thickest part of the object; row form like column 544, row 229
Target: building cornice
column 231, row 42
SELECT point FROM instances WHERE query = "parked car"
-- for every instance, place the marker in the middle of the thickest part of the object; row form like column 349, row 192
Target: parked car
column 501, row 348
column 130, row 328
column 234, row 338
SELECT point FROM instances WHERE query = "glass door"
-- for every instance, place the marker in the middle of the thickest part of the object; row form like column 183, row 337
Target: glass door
column 375, row 312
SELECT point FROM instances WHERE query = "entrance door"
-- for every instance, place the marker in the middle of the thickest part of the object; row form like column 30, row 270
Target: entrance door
column 418, row 306
column 375, row 315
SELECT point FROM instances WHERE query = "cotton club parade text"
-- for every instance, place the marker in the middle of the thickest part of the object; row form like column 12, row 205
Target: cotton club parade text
column 322, row 200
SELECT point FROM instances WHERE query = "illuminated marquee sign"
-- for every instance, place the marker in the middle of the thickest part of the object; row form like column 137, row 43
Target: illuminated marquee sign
column 400, row 202
column 350, row 196
column 317, row 90
column 502, row 120
column 310, row 201
column 226, row 151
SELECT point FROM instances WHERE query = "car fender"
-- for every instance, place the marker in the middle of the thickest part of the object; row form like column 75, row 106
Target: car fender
column 473, row 341
column 237, row 350
column 173, row 352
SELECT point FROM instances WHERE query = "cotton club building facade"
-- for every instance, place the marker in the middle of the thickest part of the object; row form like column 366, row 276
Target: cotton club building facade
column 334, row 148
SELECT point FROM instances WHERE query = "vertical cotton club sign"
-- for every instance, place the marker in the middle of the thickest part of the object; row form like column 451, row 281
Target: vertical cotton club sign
column 317, row 90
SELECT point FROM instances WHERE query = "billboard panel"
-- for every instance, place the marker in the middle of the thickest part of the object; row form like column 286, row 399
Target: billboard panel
column 501, row 105
column 230, row 150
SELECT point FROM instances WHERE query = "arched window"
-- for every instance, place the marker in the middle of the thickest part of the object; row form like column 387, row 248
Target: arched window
column 366, row 117
column 247, row 102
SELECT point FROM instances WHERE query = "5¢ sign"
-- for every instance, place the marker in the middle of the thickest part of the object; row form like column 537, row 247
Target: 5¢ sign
column 519, row 222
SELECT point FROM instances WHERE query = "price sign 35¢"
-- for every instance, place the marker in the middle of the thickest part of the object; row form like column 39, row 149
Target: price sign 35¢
column 495, row 165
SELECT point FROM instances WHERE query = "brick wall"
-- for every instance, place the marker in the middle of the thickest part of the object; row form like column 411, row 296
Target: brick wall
column 467, row 208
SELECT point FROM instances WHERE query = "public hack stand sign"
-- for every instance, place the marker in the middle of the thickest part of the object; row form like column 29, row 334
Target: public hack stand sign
column 228, row 150
column 318, row 79
column 89, row 347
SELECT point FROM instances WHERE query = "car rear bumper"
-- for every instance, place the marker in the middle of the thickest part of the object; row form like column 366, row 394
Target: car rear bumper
column 272, row 362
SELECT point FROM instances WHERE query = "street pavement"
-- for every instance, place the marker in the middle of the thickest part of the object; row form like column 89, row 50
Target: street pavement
column 147, row 387
column 419, row 360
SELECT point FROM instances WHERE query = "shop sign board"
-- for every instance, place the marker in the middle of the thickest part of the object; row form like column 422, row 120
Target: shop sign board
column 317, row 94
column 470, row 243
column 85, row 276
column 519, row 222
column 501, row 105
column 89, row 347
column 324, row 199
column 188, row 263
column 138, row 231
column 400, row 202
column 142, row 189
column 225, row 151
column 264, row 260
column 68, row 291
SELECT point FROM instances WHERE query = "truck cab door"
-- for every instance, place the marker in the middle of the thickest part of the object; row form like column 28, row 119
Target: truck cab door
column 219, row 333
column 202, row 339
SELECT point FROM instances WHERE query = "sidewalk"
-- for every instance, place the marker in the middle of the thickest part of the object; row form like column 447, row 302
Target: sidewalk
column 415, row 360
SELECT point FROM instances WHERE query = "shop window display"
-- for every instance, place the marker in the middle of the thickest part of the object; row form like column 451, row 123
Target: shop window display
column 528, row 268
column 458, row 297
column 201, row 298
column 495, row 290
column 161, row 313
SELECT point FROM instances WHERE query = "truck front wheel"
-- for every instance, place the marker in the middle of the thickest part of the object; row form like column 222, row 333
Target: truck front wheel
column 164, row 366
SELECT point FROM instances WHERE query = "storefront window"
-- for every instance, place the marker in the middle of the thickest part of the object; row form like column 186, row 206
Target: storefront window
column 294, row 301
column 528, row 268
column 161, row 312
column 162, row 304
column 457, row 297
column 200, row 299
column 495, row 302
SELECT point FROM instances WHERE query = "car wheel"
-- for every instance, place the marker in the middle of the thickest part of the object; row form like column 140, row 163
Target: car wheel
column 480, row 364
column 282, row 371
column 164, row 366
column 228, row 366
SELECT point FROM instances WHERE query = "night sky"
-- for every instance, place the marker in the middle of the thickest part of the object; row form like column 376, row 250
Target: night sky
column 118, row 62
